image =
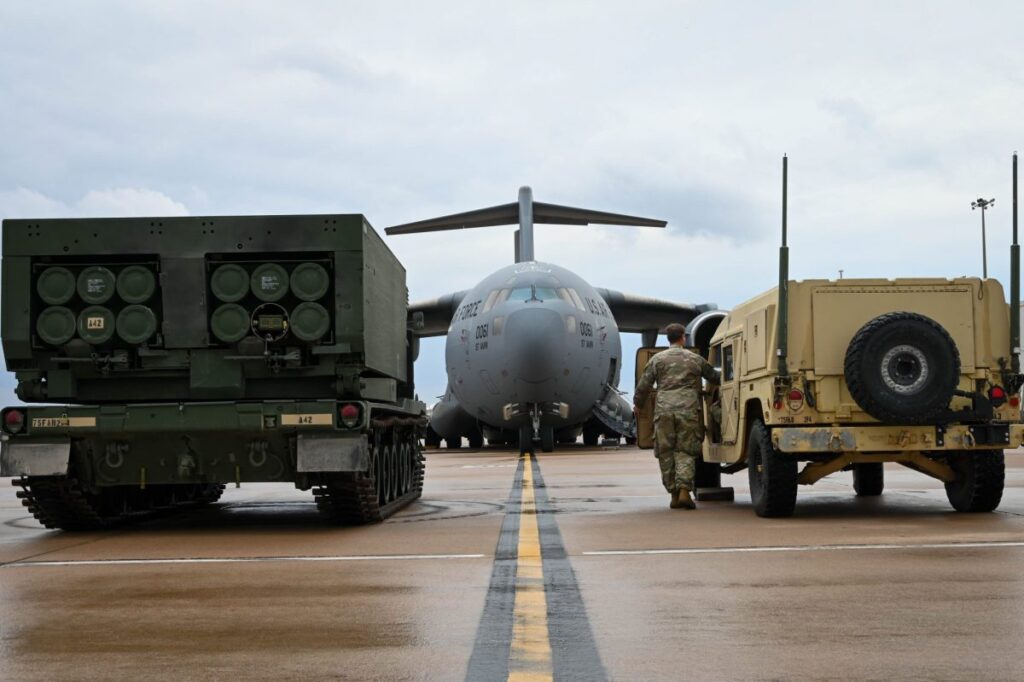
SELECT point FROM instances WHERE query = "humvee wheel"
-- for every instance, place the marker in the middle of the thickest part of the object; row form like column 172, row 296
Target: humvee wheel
column 772, row 476
column 902, row 368
column 979, row 480
column 868, row 479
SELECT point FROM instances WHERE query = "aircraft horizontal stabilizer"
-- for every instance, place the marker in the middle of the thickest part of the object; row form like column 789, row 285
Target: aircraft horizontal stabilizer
column 526, row 212
column 508, row 214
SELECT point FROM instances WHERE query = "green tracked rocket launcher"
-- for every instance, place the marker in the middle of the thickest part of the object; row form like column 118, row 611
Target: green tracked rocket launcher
column 177, row 355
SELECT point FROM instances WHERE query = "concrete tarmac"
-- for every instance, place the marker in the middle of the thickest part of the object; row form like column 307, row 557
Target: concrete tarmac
column 571, row 567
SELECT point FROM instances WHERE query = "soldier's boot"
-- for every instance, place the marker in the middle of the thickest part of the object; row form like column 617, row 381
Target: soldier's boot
column 675, row 504
column 685, row 501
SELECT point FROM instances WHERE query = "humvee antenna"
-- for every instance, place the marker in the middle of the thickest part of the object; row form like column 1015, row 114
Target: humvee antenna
column 1015, row 283
column 783, row 279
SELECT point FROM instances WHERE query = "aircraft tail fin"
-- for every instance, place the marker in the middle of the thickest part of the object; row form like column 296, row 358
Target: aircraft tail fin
column 526, row 212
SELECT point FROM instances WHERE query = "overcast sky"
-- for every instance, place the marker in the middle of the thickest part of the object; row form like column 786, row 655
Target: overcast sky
column 894, row 115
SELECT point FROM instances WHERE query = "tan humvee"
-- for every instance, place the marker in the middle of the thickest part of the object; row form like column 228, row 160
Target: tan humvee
column 850, row 374
column 915, row 371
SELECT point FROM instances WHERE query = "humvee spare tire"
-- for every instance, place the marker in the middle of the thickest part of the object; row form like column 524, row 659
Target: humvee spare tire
column 903, row 368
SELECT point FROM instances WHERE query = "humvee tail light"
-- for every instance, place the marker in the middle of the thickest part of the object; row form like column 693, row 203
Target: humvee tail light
column 997, row 395
column 14, row 421
column 349, row 414
column 795, row 399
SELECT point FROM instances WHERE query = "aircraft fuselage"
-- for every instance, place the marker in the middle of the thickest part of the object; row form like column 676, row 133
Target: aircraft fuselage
column 532, row 344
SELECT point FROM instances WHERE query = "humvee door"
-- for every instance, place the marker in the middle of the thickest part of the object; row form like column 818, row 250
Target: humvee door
column 724, row 357
column 645, row 413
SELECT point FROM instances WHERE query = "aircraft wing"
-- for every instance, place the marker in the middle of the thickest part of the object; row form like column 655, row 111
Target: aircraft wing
column 437, row 313
column 635, row 313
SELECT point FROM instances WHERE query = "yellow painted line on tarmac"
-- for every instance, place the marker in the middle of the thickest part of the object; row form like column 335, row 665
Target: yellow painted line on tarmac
column 530, row 653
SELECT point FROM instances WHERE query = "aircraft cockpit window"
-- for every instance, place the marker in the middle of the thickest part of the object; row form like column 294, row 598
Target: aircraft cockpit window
column 491, row 299
column 544, row 294
column 563, row 294
column 577, row 300
column 502, row 296
column 521, row 294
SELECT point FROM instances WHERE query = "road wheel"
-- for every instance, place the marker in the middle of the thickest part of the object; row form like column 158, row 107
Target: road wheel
column 902, row 368
column 772, row 475
column 980, row 476
column 868, row 479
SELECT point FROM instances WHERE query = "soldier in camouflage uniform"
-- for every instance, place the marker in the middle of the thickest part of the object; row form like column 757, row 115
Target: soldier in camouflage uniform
column 678, row 430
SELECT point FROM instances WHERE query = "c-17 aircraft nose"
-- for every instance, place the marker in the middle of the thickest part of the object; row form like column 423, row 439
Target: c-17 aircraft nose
column 536, row 344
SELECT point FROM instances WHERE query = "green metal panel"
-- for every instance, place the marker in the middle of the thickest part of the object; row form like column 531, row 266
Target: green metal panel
column 215, row 377
column 384, row 296
column 336, row 263
column 15, row 314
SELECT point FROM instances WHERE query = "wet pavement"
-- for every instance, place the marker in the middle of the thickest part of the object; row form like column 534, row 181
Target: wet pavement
column 571, row 566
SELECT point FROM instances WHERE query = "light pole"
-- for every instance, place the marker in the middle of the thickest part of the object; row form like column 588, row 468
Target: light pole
column 983, row 204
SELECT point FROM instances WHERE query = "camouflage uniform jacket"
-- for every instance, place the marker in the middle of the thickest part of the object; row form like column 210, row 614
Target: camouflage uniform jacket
column 677, row 372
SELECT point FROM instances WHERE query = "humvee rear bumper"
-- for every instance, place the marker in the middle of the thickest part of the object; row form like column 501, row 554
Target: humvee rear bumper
column 894, row 439
column 179, row 442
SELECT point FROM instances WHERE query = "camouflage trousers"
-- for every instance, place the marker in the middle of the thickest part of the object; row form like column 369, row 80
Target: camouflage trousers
column 677, row 445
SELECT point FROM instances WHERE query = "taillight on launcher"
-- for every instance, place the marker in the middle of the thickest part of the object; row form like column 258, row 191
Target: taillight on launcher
column 14, row 421
column 350, row 415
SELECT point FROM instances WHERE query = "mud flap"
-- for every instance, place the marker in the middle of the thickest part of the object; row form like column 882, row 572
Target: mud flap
column 332, row 454
column 35, row 458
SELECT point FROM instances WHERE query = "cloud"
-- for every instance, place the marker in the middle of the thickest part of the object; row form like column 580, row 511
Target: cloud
column 110, row 203
column 893, row 122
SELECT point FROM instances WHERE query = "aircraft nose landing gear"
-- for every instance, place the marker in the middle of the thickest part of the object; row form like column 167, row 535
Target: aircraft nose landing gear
column 535, row 432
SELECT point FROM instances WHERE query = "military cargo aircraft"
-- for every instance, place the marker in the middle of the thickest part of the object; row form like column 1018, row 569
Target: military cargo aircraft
column 533, row 353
